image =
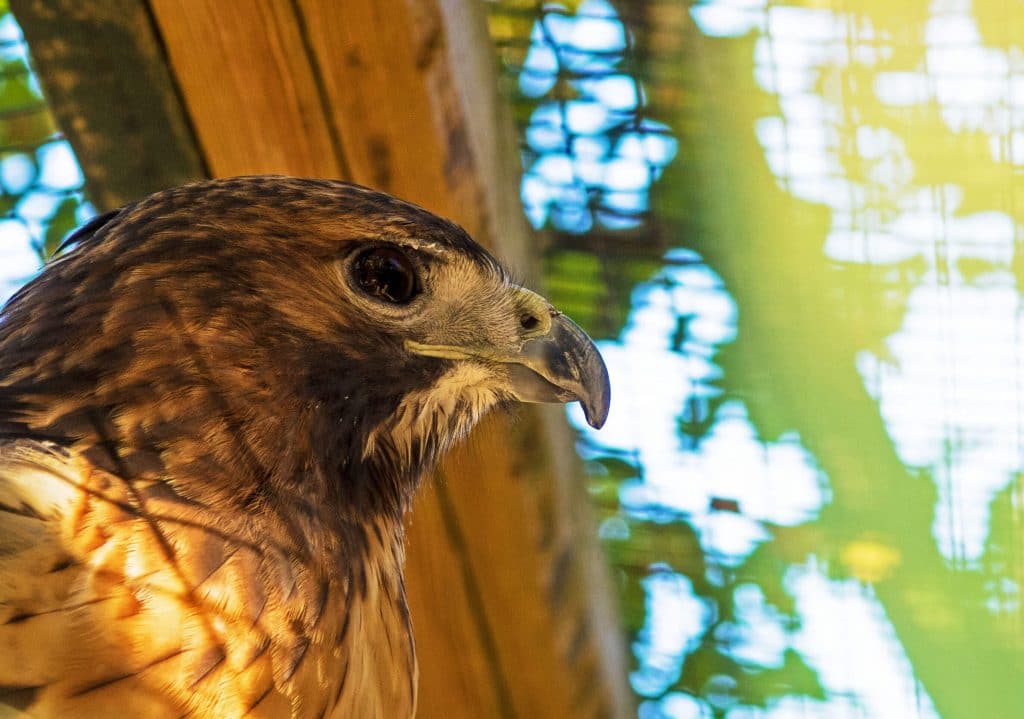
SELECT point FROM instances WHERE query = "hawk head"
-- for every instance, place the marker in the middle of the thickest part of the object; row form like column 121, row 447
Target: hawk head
column 267, row 340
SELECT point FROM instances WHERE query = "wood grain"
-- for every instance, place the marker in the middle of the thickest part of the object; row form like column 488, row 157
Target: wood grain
column 248, row 86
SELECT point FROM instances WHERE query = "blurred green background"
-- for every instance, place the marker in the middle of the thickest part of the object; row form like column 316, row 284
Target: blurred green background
column 796, row 225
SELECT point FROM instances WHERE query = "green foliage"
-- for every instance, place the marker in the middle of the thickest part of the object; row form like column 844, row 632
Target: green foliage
column 605, row 476
column 724, row 683
column 26, row 127
column 595, row 288
column 24, row 118
column 574, row 282
column 804, row 320
column 63, row 221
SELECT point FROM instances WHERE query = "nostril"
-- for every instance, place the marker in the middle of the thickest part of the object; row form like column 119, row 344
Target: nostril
column 529, row 322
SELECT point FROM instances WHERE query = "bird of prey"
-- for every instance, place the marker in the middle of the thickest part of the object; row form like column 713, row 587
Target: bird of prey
column 214, row 411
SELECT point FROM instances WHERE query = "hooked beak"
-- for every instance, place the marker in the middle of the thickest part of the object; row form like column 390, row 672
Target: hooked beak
column 557, row 362
column 563, row 366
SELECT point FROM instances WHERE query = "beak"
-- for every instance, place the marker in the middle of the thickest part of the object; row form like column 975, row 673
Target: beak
column 563, row 365
column 557, row 361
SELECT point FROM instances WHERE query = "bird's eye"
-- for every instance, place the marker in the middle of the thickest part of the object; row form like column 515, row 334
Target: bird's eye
column 387, row 274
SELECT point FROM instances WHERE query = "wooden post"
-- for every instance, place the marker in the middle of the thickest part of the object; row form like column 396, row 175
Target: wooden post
column 102, row 67
column 511, row 603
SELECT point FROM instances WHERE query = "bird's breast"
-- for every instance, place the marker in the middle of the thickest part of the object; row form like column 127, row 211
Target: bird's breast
column 154, row 606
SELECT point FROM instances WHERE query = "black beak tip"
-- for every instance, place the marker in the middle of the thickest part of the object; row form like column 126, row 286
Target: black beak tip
column 595, row 420
column 596, row 404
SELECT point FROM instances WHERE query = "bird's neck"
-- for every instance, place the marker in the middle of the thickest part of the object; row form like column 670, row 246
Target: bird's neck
column 345, row 637
column 377, row 672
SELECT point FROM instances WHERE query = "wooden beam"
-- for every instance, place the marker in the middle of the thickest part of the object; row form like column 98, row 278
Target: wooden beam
column 511, row 602
column 102, row 68
column 249, row 86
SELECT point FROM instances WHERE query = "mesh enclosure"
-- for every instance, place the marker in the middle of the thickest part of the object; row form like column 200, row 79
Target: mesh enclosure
column 797, row 225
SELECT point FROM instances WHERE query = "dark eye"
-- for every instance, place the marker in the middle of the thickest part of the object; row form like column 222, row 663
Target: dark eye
column 387, row 274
